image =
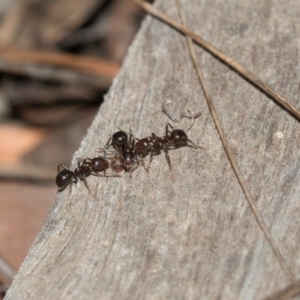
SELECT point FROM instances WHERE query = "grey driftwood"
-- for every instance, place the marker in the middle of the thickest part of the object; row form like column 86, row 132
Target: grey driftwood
column 189, row 233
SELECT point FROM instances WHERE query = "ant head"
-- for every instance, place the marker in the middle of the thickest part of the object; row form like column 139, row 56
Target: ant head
column 64, row 178
column 178, row 138
column 119, row 138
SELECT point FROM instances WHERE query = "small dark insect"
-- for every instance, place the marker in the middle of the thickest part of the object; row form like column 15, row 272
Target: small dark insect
column 124, row 158
column 85, row 168
column 172, row 139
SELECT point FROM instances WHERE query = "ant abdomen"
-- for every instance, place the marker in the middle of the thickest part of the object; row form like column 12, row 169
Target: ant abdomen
column 99, row 164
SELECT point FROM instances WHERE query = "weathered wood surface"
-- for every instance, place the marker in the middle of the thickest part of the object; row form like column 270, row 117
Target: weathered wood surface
column 189, row 233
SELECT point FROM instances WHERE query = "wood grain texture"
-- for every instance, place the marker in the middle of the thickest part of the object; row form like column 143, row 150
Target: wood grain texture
column 189, row 233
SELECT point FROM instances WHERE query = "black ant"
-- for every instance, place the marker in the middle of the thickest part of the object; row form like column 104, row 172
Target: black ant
column 172, row 140
column 84, row 169
column 125, row 159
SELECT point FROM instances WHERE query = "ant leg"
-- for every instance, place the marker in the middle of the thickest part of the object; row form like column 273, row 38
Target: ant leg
column 132, row 169
column 113, row 175
column 97, row 174
column 143, row 163
column 132, row 143
column 167, row 128
column 61, row 166
column 150, row 160
column 86, row 185
column 167, row 131
column 79, row 161
column 106, row 146
column 106, row 175
column 107, row 153
column 168, row 158
column 128, row 132
column 70, row 191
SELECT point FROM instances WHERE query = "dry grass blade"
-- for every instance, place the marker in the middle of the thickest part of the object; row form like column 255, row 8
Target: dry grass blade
column 225, row 58
column 229, row 153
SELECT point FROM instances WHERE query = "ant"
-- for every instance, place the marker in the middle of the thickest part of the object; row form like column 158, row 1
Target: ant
column 172, row 139
column 84, row 169
column 125, row 159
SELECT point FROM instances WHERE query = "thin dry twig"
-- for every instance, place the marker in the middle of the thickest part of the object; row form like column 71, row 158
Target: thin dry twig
column 230, row 155
column 225, row 58
column 82, row 63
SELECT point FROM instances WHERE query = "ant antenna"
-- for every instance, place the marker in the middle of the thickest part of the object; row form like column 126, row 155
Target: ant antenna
column 187, row 114
column 86, row 185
